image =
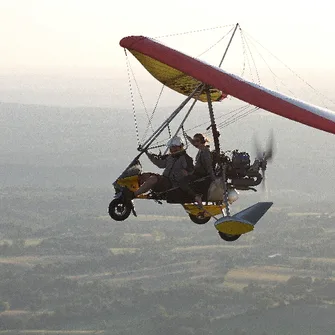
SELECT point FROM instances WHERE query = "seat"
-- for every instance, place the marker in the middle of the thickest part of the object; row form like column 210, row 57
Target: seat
column 177, row 196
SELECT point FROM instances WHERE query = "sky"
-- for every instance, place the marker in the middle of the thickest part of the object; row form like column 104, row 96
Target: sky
column 80, row 38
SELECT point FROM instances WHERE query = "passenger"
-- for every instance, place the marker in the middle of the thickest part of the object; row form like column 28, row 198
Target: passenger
column 203, row 161
column 203, row 166
column 177, row 165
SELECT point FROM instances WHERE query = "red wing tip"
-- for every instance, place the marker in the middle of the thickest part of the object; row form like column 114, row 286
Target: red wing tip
column 128, row 41
column 223, row 96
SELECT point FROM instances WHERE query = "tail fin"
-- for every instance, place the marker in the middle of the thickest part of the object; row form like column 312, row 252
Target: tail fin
column 254, row 213
column 244, row 221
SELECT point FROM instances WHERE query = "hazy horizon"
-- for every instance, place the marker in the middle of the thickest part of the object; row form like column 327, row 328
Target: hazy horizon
column 80, row 62
column 106, row 89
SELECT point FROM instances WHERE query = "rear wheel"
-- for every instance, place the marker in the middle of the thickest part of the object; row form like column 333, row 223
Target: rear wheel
column 119, row 210
column 228, row 237
column 199, row 219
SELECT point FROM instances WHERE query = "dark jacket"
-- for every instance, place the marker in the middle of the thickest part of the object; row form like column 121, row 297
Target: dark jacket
column 204, row 163
column 173, row 165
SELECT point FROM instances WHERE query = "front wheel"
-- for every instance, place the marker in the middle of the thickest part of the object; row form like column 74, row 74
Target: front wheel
column 119, row 210
column 199, row 219
column 228, row 237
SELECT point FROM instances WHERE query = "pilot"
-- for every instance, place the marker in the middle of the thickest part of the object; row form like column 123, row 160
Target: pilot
column 177, row 165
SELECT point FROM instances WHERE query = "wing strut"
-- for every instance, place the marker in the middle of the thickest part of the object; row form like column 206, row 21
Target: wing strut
column 196, row 96
column 165, row 124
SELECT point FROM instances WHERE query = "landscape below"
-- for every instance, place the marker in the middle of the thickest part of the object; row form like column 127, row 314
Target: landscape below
column 67, row 268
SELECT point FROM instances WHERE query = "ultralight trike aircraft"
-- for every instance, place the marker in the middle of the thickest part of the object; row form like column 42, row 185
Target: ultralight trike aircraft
column 234, row 171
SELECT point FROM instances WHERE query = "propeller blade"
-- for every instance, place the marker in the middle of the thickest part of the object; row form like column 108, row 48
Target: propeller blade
column 258, row 149
column 269, row 151
column 264, row 156
column 263, row 181
column 270, row 147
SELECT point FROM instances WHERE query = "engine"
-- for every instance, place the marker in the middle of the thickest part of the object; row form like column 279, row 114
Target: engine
column 240, row 172
column 240, row 163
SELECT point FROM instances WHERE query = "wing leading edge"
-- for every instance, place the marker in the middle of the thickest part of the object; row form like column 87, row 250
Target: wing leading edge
column 229, row 84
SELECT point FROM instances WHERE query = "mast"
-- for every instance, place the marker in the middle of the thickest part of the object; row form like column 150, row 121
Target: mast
column 213, row 125
column 231, row 38
column 210, row 106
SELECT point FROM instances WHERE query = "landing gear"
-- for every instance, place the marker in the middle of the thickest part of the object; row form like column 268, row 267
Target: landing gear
column 119, row 209
column 228, row 237
column 199, row 219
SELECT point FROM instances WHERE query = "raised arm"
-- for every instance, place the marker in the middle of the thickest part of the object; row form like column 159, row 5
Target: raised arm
column 189, row 138
column 159, row 161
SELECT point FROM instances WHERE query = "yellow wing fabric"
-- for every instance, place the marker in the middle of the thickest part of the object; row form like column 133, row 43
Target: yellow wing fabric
column 173, row 78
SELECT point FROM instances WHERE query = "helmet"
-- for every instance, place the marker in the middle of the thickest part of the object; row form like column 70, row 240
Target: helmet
column 175, row 142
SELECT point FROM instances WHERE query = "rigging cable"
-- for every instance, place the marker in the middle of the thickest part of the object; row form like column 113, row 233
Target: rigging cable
column 216, row 43
column 219, row 117
column 239, row 110
column 141, row 97
column 152, row 114
column 194, row 31
column 132, row 98
column 247, row 60
column 252, row 58
column 274, row 75
column 233, row 116
column 298, row 76
column 244, row 53
column 243, row 111
column 241, row 116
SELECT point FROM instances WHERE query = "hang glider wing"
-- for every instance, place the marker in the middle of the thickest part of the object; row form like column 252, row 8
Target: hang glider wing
column 183, row 74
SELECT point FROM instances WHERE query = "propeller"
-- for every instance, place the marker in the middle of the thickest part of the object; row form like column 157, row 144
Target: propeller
column 264, row 156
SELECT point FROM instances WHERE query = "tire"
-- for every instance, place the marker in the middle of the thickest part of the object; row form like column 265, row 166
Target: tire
column 228, row 237
column 199, row 220
column 119, row 210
